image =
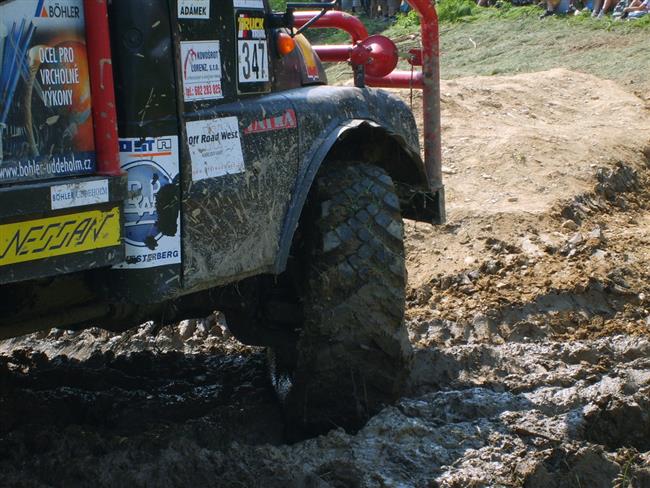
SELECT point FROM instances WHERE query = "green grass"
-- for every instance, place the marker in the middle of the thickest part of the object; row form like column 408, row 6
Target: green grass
column 278, row 5
column 455, row 10
column 491, row 45
column 510, row 40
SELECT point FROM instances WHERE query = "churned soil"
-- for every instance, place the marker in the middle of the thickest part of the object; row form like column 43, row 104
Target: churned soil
column 529, row 312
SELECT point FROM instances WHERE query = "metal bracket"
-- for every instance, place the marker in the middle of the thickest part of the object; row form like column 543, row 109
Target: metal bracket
column 323, row 7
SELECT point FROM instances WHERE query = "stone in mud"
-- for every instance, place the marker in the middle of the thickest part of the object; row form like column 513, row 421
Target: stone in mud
column 619, row 421
column 570, row 225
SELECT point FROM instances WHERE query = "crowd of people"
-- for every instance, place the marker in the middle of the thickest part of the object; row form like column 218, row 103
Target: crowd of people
column 376, row 9
column 620, row 9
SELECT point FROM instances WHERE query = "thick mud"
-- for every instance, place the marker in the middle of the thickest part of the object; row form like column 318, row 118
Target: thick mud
column 536, row 414
column 529, row 312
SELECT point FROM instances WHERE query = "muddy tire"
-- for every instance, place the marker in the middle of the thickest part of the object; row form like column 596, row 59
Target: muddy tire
column 353, row 354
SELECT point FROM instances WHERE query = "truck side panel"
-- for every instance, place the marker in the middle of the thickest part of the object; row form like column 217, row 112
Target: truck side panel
column 239, row 144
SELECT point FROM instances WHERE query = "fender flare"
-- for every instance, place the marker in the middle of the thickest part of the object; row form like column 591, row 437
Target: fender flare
column 315, row 158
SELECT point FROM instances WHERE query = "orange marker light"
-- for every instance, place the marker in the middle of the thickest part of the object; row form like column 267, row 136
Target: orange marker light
column 285, row 43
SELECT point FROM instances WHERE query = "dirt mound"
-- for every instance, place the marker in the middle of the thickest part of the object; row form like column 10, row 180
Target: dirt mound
column 530, row 312
column 523, row 143
column 549, row 244
column 517, row 149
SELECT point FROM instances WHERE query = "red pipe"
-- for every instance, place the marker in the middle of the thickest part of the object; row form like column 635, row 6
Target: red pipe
column 101, row 87
column 398, row 79
column 333, row 53
column 431, row 90
column 334, row 19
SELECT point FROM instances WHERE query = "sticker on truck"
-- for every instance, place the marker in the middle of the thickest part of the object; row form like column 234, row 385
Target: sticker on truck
column 252, row 49
column 248, row 4
column 201, row 68
column 215, row 147
column 152, row 166
column 287, row 120
column 252, row 53
column 193, row 9
column 57, row 236
column 79, row 194
column 46, row 126
column 310, row 65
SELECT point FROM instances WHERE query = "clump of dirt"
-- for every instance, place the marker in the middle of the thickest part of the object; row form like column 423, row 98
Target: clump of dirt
column 529, row 311
column 207, row 335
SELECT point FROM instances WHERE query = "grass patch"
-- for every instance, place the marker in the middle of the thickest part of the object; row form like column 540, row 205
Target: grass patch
column 278, row 5
column 607, row 49
column 455, row 10
column 509, row 40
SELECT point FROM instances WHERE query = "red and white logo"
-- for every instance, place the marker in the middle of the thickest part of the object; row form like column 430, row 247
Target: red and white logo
column 285, row 121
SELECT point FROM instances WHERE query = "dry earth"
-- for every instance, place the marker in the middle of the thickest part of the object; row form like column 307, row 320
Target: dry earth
column 529, row 309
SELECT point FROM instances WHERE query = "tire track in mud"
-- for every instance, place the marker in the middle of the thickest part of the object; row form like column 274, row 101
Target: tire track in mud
column 515, row 414
column 124, row 403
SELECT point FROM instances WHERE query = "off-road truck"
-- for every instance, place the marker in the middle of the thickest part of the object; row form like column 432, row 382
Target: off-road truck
column 240, row 181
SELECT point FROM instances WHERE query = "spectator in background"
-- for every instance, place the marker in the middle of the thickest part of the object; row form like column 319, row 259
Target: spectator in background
column 393, row 8
column 636, row 9
column 388, row 8
column 382, row 8
column 556, row 7
column 601, row 7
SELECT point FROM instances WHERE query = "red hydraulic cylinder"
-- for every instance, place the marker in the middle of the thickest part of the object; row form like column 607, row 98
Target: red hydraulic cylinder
column 101, row 87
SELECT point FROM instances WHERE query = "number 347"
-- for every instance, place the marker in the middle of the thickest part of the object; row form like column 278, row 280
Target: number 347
column 253, row 61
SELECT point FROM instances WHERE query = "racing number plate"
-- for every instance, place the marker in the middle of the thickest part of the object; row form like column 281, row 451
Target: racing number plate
column 253, row 61
column 252, row 52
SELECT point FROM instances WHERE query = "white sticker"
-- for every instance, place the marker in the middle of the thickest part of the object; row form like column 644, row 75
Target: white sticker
column 253, row 61
column 215, row 147
column 151, row 164
column 248, row 4
column 79, row 194
column 201, row 65
column 193, row 9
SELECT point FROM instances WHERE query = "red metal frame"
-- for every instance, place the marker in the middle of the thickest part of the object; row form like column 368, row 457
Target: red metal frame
column 428, row 80
column 101, row 87
column 334, row 19
column 430, row 89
